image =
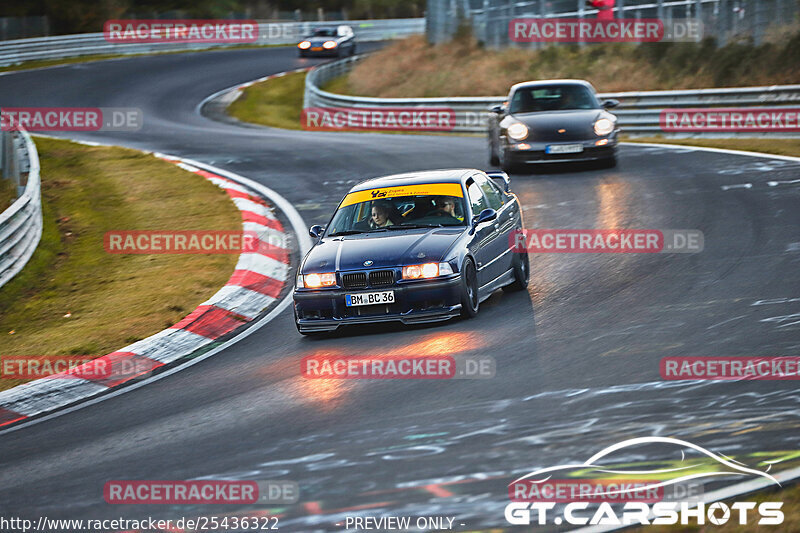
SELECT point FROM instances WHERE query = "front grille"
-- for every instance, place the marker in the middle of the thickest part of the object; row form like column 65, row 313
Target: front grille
column 357, row 280
column 381, row 278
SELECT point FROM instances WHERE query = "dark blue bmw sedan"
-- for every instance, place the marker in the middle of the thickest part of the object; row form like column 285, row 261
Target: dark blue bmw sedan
column 417, row 247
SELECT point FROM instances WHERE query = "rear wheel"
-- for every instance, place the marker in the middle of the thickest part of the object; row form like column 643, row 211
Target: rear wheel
column 522, row 273
column 469, row 289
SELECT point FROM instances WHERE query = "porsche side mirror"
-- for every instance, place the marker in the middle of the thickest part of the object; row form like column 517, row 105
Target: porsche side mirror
column 611, row 103
column 497, row 109
column 316, row 231
column 486, row 215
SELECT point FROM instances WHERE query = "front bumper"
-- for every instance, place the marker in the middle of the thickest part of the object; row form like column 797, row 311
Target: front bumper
column 333, row 52
column 536, row 152
column 415, row 302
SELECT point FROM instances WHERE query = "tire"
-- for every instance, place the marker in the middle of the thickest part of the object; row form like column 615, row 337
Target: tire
column 522, row 273
column 493, row 159
column 507, row 166
column 469, row 289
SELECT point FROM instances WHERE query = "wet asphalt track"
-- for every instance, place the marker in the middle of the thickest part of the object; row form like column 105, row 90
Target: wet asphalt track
column 577, row 356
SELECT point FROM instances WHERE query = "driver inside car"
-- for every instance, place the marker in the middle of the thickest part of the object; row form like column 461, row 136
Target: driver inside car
column 380, row 216
column 445, row 207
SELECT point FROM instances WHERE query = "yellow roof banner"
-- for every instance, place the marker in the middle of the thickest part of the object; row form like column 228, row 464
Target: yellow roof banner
column 437, row 189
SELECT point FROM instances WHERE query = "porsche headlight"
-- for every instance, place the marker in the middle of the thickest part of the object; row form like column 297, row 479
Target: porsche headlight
column 327, row 45
column 315, row 281
column 305, row 45
column 517, row 131
column 603, row 127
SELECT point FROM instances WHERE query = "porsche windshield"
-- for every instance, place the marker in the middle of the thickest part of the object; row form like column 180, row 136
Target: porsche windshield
column 552, row 98
column 324, row 32
column 397, row 212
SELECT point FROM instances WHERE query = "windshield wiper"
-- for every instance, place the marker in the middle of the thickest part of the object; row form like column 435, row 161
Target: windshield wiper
column 346, row 232
column 354, row 232
column 413, row 226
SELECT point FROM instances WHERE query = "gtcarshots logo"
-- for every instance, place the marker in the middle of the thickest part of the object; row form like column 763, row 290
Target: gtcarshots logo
column 378, row 118
column 71, row 118
column 604, row 490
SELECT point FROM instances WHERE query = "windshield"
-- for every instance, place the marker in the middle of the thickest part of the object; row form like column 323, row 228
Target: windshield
column 394, row 209
column 552, row 98
column 324, row 32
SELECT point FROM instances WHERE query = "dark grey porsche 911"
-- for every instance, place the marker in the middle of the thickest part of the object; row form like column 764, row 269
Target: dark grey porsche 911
column 552, row 121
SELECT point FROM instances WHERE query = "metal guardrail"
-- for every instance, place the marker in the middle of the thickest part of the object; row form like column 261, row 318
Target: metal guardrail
column 724, row 20
column 64, row 46
column 638, row 112
column 21, row 223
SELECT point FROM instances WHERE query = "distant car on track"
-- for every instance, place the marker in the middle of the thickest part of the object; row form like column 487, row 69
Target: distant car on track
column 417, row 247
column 552, row 121
column 329, row 41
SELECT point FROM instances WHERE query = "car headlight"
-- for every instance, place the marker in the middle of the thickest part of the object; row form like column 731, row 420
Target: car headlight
column 305, row 45
column 517, row 131
column 603, row 127
column 428, row 270
column 329, row 44
column 315, row 281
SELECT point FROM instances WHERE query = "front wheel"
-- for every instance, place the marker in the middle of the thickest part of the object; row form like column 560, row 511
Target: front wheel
column 508, row 166
column 469, row 289
column 493, row 159
column 522, row 273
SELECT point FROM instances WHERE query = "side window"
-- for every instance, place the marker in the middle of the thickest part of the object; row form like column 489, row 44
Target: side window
column 476, row 198
column 490, row 191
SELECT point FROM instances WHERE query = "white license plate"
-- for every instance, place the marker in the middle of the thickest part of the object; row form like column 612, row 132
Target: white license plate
column 564, row 148
column 369, row 298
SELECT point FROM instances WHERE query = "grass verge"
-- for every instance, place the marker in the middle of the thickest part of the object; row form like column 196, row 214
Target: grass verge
column 789, row 147
column 8, row 193
column 277, row 102
column 73, row 298
column 463, row 67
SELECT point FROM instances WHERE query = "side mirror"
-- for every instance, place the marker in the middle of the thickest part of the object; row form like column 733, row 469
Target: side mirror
column 496, row 109
column 609, row 104
column 486, row 215
column 502, row 179
column 316, row 231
